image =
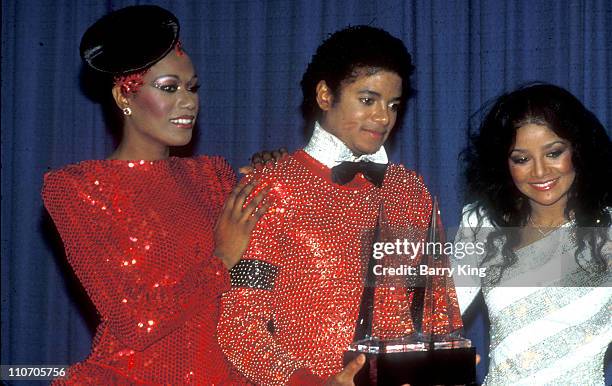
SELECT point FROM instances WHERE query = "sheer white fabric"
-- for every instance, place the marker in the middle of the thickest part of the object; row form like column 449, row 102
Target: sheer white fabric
column 549, row 325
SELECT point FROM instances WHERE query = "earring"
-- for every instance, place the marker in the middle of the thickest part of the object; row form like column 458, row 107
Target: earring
column 127, row 111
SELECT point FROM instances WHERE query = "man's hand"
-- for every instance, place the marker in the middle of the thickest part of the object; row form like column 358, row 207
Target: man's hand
column 345, row 377
column 263, row 157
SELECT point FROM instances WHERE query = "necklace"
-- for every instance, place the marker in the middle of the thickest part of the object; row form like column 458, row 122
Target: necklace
column 549, row 228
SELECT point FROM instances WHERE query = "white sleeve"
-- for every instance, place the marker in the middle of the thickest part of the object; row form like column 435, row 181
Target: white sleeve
column 467, row 285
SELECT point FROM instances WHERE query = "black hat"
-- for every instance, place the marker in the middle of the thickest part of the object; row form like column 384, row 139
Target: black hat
column 129, row 39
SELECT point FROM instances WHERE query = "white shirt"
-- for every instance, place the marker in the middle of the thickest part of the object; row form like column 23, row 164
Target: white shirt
column 331, row 151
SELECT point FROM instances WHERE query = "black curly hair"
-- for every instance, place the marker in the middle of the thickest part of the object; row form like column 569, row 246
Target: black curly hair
column 351, row 52
column 490, row 184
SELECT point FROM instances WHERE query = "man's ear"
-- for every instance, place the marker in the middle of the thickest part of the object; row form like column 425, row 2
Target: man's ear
column 120, row 99
column 325, row 97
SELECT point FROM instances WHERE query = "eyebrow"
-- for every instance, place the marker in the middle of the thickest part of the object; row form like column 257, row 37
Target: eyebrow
column 195, row 76
column 547, row 146
column 377, row 94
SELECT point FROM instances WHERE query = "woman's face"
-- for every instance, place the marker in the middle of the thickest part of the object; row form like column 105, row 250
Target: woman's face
column 541, row 166
column 164, row 109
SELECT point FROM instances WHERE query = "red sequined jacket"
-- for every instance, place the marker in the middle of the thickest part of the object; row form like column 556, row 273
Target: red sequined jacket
column 139, row 236
column 295, row 296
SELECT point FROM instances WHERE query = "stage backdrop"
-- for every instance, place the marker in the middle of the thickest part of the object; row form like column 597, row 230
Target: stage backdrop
column 250, row 56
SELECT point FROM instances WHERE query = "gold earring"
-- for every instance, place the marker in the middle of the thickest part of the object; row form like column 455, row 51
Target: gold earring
column 127, row 111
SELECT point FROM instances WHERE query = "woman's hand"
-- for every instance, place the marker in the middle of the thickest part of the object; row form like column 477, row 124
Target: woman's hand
column 234, row 226
column 345, row 377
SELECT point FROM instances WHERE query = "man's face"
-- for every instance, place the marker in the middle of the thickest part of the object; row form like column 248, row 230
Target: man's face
column 365, row 111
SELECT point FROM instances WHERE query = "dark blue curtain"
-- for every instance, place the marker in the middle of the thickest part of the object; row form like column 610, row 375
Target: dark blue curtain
column 250, row 56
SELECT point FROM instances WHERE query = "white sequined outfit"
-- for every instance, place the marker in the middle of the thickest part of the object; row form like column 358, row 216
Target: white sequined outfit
column 547, row 326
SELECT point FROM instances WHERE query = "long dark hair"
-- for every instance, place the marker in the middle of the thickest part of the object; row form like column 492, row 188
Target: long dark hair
column 490, row 184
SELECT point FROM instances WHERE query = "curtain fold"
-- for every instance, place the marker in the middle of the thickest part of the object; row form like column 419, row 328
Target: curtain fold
column 250, row 56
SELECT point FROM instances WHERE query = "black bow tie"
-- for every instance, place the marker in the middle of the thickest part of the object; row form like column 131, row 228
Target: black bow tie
column 345, row 172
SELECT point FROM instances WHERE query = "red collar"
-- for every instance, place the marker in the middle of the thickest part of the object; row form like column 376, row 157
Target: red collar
column 359, row 182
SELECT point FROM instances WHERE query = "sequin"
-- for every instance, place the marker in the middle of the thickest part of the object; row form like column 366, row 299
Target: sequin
column 330, row 151
column 307, row 320
column 147, row 264
column 130, row 83
column 557, row 356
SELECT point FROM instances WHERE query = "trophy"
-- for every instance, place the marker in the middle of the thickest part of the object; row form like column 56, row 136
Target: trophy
column 432, row 350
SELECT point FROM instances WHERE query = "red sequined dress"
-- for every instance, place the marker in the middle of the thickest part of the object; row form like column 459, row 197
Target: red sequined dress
column 139, row 236
column 295, row 296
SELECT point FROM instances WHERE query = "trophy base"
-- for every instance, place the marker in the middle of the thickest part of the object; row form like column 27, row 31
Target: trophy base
column 414, row 362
